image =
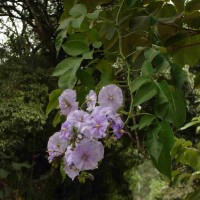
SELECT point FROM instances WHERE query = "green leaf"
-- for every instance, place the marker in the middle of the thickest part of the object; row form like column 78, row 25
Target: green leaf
column 62, row 171
column 53, row 100
column 82, row 37
column 56, row 119
column 88, row 55
column 170, row 20
column 160, row 62
column 194, row 121
column 97, row 44
column 64, row 24
column 150, row 54
column 94, row 15
column 147, row 69
column 187, row 51
column 93, row 35
column 137, row 83
column 77, row 22
column 86, row 79
column 110, row 32
column 3, row 173
column 145, row 120
column 68, row 79
column 106, row 70
column 160, row 142
column 141, row 23
column 75, row 48
column 78, row 10
column 59, row 39
column 67, row 64
column 178, row 76
column 154, row 143
column 170, row 104
column 144, row 93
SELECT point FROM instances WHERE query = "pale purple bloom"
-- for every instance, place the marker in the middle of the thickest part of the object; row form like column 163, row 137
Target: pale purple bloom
column 71, row 171
column 68, row 155
column 66, row 130
column 87, row 154
column 56, row 146
column 91, row 100
column 97, row 127
column 110, row 96
column 67, row 101
column 78, row 118
column 69, row 168
column 118, row 131
column 103, row 111
column 117, row 125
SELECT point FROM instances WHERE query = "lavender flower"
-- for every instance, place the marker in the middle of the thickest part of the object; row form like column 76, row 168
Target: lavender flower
column 71, row 171
column 103, row 111
column 66, row 130
column 117, row 125
column 96, row 128
column 67, row 101
column 91, row 100
column 87, row 154
column 56, row 146
column 111, row 96
column 78, row 118
column 118, row 131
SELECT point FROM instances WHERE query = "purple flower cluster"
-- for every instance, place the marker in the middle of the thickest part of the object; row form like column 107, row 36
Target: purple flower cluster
column 79, row 140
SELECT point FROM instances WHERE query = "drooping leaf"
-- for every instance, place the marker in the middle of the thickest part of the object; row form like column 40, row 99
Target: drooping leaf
column 170, row 104
column 59, row 39
column 137, row 83
column 75, row 48
column 178, row 76
column 145, row 120
column 150, row 54
column 187, row 51
column 144, row 93
column 81, row 37
column 78, row 10
column 106, row 70
column 68, row 79
column 154, row 143
column 77, row 22
column 160, row 62
column 160, row 142
column 53, row 100
column 93, row 15
column 86, row 79
column 147, row 69
column 67, row 64
column 88, row 55
column 171, row 20
column 97, row 44
column 56, row 119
